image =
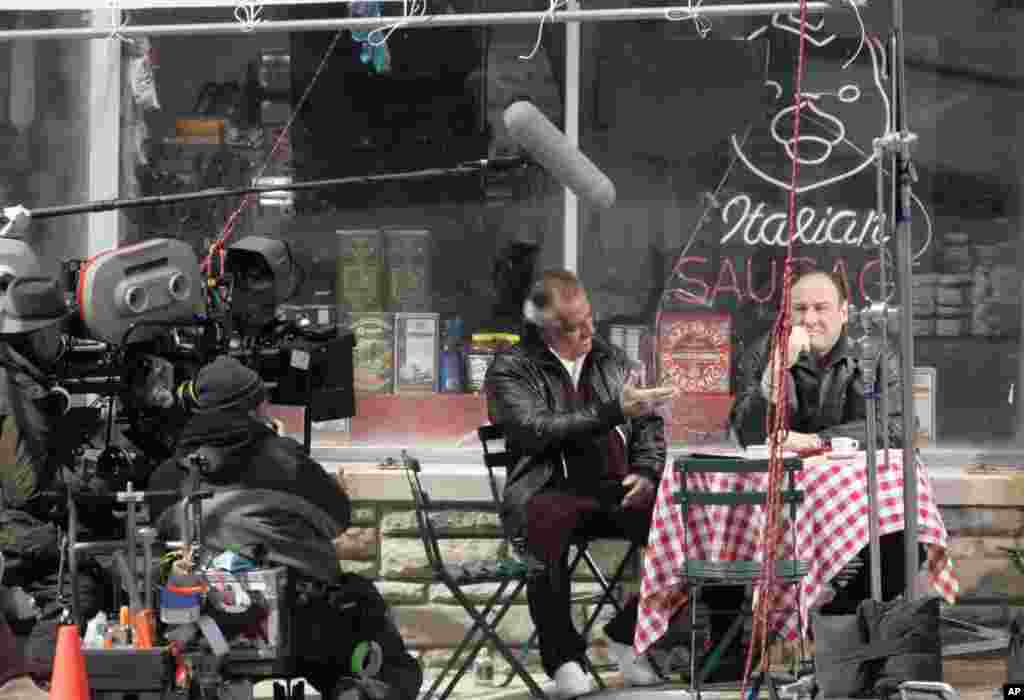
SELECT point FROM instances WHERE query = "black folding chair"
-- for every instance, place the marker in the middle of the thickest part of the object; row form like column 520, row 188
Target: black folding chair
column 700, row 573
column 496, row 457
column 510, row 574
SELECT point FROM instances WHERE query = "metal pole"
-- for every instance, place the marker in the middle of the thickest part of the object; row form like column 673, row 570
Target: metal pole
column 104, row 147
column 869, row 375
column 902, row 180
column 126, row 5
column 216, row 192
column 874, row 390
column 571, row 213
column 421, row 21
column 76, row 599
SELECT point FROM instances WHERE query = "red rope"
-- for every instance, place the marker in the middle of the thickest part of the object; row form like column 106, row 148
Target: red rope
column 778, row 411
column 217, row 250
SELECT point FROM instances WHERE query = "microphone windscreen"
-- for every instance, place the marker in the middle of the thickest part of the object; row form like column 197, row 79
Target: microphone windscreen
column 528, row 127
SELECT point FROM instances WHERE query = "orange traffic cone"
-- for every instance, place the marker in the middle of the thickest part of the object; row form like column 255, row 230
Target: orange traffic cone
column 69, row 681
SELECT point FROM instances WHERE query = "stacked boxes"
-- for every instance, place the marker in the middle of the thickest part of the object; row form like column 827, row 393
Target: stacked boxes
column 976, row 290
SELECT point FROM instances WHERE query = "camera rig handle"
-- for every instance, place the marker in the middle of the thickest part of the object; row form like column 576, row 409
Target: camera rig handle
column 196, row 464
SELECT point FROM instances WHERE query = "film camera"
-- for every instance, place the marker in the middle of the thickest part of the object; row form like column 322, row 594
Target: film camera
column 148, row 316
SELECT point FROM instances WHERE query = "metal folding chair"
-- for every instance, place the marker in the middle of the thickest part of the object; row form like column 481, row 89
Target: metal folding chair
column 700, row 573
column 510, row 574
column 496, row 457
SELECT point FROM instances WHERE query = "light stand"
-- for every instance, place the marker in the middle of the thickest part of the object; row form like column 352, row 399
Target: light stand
column 872, row 350
column 894, row 148
column 896, row 145
column 899, row 143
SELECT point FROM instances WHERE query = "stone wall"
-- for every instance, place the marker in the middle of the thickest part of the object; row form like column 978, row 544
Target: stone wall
column 384, row 544
column 992, row 588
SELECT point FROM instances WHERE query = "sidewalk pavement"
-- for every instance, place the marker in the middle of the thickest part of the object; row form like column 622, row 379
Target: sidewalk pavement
column 974, row 679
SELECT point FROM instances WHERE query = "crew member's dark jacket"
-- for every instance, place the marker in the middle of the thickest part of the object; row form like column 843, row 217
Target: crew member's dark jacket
column 269, row 494
column 46, row 439
column 825, row 399
column 528, row 393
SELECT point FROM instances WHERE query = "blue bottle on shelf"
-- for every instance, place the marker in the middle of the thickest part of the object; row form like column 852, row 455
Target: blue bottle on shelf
column 452, row 364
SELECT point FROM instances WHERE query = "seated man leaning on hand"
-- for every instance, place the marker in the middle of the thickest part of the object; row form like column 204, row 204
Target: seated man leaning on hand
column 826, row 390
column 826, row 400
column 588, row 451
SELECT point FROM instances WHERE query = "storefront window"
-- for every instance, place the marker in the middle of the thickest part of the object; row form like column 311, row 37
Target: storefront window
column 695, row 131
column 370, row 253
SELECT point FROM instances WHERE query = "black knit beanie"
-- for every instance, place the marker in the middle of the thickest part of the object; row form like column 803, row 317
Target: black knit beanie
column 227, row 385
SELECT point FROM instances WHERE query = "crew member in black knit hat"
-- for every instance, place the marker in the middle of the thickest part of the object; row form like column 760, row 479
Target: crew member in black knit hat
column 277, row 507
column 230, row 428
column 227, row 385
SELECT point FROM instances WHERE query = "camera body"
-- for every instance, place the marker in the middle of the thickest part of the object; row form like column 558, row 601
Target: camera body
column 147, row 317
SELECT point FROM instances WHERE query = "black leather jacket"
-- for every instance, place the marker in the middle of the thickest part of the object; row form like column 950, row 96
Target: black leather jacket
column 827, row 400
column 526, row 394
column 267, row 492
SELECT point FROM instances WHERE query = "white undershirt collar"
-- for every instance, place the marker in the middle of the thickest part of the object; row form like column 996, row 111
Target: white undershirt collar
column 573, row 367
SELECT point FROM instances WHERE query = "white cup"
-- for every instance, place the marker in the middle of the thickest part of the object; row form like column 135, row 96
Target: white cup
column 844, row 444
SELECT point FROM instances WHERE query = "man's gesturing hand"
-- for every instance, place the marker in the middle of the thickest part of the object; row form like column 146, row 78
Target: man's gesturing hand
column 640, row 491
column 640, row 402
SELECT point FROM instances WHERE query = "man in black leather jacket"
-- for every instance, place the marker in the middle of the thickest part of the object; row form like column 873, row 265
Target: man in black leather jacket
column 276, row 506
column 588, row 453
column 825, row 384
column 826, row 400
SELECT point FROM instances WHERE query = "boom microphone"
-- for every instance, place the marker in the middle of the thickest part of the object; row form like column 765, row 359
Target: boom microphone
column 533, row 131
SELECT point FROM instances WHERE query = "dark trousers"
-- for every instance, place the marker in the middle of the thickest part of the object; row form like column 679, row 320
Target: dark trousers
column 549, row 594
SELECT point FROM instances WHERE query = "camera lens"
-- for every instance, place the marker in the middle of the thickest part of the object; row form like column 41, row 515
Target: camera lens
column 136, row 299
column 178, row 287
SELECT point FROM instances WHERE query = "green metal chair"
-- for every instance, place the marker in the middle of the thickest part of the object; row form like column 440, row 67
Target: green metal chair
column 701, row 573
column 510, row 575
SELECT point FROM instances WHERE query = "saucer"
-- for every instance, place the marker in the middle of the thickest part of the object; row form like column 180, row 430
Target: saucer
column 763, row 452
column 844, row 454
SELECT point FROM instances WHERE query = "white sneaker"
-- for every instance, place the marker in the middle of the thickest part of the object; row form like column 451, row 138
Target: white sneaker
column 571, row 680
column 22, row 688
column 636, row 670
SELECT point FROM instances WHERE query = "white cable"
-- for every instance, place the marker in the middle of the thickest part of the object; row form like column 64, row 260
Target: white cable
column 248, row 14
column 701, row 23
column 794, row 28
column 118, row 21
column 863, row 34
column 410, row 8
column 550, row 14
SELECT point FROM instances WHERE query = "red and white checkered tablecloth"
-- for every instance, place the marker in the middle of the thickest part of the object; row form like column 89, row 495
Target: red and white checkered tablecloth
column 832, row 527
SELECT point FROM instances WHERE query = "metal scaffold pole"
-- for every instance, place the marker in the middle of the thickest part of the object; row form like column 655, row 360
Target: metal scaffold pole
column 364, row 24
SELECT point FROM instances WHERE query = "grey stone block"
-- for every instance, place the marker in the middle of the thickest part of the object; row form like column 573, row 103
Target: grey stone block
column 364, row 515
column 448, row 522
column 994, row 520
column 398, row 593
column 407, row 558
column 363, row 568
